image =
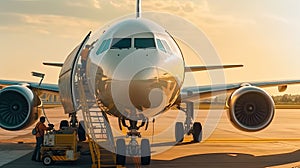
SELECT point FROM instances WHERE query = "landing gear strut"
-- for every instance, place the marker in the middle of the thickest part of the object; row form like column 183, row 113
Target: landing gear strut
column 189, row 126
column 133, row 149
column 73, row 121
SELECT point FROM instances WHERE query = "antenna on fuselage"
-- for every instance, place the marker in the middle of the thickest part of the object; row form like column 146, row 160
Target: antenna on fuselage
column 138, row 8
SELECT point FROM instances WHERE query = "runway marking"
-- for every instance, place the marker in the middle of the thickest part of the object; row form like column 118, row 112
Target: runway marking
column 7, row 156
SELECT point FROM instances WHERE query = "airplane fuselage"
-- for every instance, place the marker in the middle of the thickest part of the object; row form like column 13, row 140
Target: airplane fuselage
column 135, row 69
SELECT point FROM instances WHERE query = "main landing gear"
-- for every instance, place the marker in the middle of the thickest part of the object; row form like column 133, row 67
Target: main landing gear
column 188, row 127
column 133, row 149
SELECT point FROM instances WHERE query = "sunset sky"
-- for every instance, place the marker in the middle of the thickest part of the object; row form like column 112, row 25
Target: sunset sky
column 264, row 35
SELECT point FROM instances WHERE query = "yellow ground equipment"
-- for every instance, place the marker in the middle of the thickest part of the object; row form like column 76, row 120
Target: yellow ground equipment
column 59, row 146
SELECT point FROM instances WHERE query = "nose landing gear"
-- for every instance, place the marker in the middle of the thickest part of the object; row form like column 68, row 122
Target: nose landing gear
column 133, row 149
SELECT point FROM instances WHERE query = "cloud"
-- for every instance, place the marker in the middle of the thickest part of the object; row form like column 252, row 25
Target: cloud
column 43, row 31
column 92, row 4
column 26, row 0
column 78, row 14
column 117, row 3
column 105, row 10
column 8, row 19
column 96, row 4
column 276, row 18
column 78, row 3
column 45, row 20
column 62, row 26
column 176, row 6
column 156, row 5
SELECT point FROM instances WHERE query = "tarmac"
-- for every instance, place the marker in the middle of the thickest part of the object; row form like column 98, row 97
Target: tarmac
column 224, row 146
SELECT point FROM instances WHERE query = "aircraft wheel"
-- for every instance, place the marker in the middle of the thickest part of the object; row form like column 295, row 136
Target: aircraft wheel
column 47, row 160
column 197, row 132
column 179, row 131
column 146, row 152
column 81, row 131
column 121, row 152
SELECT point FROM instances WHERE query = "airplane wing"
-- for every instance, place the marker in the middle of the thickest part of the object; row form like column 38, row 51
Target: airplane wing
column 210, row 67
column 195, row 93
column 55, row 64
column 33, row 85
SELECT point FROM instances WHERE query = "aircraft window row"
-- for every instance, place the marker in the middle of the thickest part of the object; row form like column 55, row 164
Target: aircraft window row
column 104, row 46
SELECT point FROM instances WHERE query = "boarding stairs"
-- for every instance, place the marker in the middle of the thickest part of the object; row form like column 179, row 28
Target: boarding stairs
column 98, row 130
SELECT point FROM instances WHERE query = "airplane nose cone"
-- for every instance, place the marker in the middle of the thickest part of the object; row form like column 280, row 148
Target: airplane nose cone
column 152, row 88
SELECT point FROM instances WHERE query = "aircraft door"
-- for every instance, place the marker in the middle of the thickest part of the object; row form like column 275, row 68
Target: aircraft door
column 68, row 77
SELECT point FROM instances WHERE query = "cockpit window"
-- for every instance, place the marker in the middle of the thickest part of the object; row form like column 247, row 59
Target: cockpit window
column 144, row 43
column 120, row 43
column 166, row 45
column 160, row 45
column 104, row 46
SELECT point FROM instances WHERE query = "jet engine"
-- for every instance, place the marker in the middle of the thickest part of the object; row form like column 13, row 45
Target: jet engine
column 250, row 108
column 18, row 107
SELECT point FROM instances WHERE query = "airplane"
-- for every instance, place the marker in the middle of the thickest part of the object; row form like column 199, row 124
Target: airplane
column 135, row 70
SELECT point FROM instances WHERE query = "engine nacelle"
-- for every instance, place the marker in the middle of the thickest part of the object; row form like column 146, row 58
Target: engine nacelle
column 18, row 107
column 250, row 108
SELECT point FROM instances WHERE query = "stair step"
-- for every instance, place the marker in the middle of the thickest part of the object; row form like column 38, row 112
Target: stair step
column 104, row 134
column 96, row 110
column 96, row 116
column 98, row 128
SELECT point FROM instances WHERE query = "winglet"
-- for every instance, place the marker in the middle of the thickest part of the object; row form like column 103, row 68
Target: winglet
column 53, row 64
column 138, row 8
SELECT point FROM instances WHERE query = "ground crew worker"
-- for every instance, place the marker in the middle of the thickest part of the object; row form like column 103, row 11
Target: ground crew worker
column 40, row 129
column 84, row 56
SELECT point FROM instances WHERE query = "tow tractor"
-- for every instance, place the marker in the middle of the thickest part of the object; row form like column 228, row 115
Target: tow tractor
column 60, row 145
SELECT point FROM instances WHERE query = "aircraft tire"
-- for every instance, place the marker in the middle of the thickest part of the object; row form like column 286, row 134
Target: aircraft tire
column 179, row 132
column 121, row 152
column 81, row 131
column 197, row 132
column 146, row 152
